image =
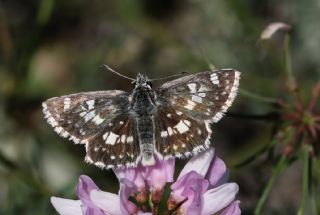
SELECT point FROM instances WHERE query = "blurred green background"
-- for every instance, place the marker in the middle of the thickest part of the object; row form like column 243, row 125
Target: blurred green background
column 54, row 47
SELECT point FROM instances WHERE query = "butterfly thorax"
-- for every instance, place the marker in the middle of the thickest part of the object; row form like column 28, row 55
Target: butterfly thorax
column 143, row 109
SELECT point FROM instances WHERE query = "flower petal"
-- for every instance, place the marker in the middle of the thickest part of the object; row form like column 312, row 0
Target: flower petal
column 66, row 206
column 159, row 174
column 190, row 189
column 216, row 171
column 195, row 196
column 232, row 209
column 219, row 198
column 132, row 174
column 127, row 189
column 84, row 187
column 199, row 163
column 108, row 202
column 169, row 166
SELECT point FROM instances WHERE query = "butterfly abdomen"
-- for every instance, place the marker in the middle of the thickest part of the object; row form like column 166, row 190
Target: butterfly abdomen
column 145, row 128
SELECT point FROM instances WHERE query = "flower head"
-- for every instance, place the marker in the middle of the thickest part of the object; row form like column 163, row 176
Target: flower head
column 304, row 120
column 199, row 189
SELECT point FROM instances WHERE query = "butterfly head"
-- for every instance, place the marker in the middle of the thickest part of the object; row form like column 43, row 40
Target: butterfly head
column 142, row 81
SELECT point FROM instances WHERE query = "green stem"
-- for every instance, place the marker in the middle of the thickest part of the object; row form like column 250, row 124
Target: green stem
column 276, row 172
column 306, row 180
column 257, row 97
column 287, row 60
column 314, row 202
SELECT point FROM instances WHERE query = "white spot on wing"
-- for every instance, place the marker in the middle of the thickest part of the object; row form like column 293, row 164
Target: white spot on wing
column 197, row 99
column 82, row 114
column 164, row 133
column 170, row 132
column 89, row 116
column 82, row 132
column 179, row 113
column 130, row 139
column 190, row 105
column 123, row 138
column 182, row 127
column 111, row 139
column 90, row 104
column 98, row 120
column 214, row 78
column 202, row 95
column 192, row 87
column 66, row 104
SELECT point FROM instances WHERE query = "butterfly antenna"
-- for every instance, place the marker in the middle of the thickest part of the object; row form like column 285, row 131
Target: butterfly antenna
column 111, row 70
column 170, row 76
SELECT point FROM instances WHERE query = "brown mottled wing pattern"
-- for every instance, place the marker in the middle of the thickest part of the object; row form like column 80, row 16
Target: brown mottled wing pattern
column 100, row 120
column 188, row 105
column 179, row 135
column 117, row 146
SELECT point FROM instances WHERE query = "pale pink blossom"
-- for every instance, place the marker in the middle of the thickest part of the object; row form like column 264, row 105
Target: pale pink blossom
column 200, row 189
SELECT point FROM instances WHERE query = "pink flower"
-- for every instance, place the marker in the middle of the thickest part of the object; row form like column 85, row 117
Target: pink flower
column 201, row 188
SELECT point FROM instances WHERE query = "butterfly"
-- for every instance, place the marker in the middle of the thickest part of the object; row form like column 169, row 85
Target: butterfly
column 120, row 129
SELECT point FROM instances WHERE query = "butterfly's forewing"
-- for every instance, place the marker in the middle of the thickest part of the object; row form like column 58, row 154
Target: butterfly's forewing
column 97, row 119
column 199, row 98
column 202, row 96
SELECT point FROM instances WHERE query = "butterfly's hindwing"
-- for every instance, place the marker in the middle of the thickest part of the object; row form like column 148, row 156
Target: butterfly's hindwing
column 116, row 146
column 178, row 135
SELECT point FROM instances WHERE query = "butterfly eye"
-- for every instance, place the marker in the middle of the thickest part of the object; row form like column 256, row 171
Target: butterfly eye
column 149, row 83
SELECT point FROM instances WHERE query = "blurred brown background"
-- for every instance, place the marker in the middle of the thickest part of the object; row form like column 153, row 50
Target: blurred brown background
column 54, row 47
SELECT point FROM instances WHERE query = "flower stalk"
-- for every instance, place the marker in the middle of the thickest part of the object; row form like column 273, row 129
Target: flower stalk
column 281, row 165
column 306, row 179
